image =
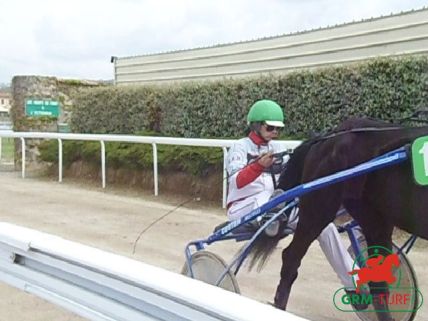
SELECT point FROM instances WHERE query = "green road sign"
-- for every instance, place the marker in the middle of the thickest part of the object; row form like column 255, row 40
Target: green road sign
column 420, row 160
column 36, row 108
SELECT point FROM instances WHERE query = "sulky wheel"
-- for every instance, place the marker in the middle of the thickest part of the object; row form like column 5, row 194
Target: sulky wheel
column 208, row 267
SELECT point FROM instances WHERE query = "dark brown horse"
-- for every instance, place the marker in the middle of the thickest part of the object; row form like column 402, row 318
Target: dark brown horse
column 378, row 201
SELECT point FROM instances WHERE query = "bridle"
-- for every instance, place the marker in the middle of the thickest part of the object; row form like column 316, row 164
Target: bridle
column 414, row 117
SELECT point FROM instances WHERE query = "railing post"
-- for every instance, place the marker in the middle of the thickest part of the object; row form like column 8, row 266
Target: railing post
column 224, row 176
column 1, row 138
column 155, row 168
column 103, row 163
column 22, row 157
column 60, row 160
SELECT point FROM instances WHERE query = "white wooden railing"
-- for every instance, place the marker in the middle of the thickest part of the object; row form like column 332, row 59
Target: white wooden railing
column 103, row 286
column 154, row 141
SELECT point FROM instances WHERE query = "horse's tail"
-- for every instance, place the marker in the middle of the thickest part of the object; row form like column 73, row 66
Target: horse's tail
column 262, row 249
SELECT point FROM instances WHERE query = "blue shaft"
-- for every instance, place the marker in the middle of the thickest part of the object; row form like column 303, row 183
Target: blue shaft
column 394, row 157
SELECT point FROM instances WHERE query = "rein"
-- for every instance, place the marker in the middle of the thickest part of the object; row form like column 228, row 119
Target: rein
column 415, row 117
column 356, row 130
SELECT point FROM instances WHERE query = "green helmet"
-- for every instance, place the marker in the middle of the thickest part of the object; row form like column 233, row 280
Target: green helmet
column 266, row 111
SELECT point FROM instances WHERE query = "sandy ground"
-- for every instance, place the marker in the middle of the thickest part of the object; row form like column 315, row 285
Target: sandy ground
column 112, row 220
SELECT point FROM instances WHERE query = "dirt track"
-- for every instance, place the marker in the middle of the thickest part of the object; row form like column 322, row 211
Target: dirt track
column 112, row 221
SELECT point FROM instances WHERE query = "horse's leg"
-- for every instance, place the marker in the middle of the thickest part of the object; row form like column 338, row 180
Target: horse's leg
column 380, row 290
column 378, row 233
column 314, row 216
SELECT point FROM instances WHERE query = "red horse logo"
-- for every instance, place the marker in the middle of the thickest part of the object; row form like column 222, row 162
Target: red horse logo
column 379, row 269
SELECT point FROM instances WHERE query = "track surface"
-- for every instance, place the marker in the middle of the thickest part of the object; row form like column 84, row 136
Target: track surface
column 112, row 220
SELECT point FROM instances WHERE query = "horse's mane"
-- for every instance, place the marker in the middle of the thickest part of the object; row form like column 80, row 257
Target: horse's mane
column 292, row 173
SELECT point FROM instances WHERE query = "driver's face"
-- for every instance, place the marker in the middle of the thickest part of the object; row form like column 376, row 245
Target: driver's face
column 269, row 132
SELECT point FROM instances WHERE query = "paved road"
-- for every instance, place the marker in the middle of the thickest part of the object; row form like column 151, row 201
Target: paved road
column 113, row 220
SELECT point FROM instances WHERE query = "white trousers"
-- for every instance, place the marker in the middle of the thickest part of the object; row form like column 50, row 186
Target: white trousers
column 329, row 239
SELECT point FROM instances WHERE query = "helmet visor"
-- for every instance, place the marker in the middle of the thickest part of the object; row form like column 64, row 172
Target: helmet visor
column 275, row 123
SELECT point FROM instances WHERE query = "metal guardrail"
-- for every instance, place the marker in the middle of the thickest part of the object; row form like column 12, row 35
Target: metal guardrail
column 103, row 286
column 154, row 141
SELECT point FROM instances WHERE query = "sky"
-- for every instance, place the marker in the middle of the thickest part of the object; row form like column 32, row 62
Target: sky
column 75, row 39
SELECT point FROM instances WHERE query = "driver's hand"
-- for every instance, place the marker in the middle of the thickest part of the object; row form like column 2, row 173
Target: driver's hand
column 266, row 160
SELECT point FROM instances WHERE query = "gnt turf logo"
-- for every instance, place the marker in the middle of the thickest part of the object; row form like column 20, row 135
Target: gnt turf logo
column 399, row 297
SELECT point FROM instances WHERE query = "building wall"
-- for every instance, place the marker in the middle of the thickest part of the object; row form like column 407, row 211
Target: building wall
column 401, row 34
column 43, row 88
column 5, row 102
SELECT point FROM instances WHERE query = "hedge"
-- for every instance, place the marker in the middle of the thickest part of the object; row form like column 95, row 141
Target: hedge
column 313, row 101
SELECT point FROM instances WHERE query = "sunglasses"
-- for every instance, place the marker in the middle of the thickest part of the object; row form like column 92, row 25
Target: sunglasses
column 271, row 128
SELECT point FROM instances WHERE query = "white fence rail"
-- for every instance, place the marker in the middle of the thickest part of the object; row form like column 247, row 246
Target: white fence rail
column 103, row 286
column 154, row 141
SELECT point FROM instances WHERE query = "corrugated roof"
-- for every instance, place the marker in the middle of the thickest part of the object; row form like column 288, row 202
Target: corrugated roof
column 282, row 35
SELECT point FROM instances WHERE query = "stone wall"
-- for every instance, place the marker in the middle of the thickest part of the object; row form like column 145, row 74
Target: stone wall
column 43, row 88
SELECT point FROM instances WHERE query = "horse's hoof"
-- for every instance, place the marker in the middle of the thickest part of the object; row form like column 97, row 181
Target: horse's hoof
column 280, row 300
column 273, row 305
column 277, row 305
